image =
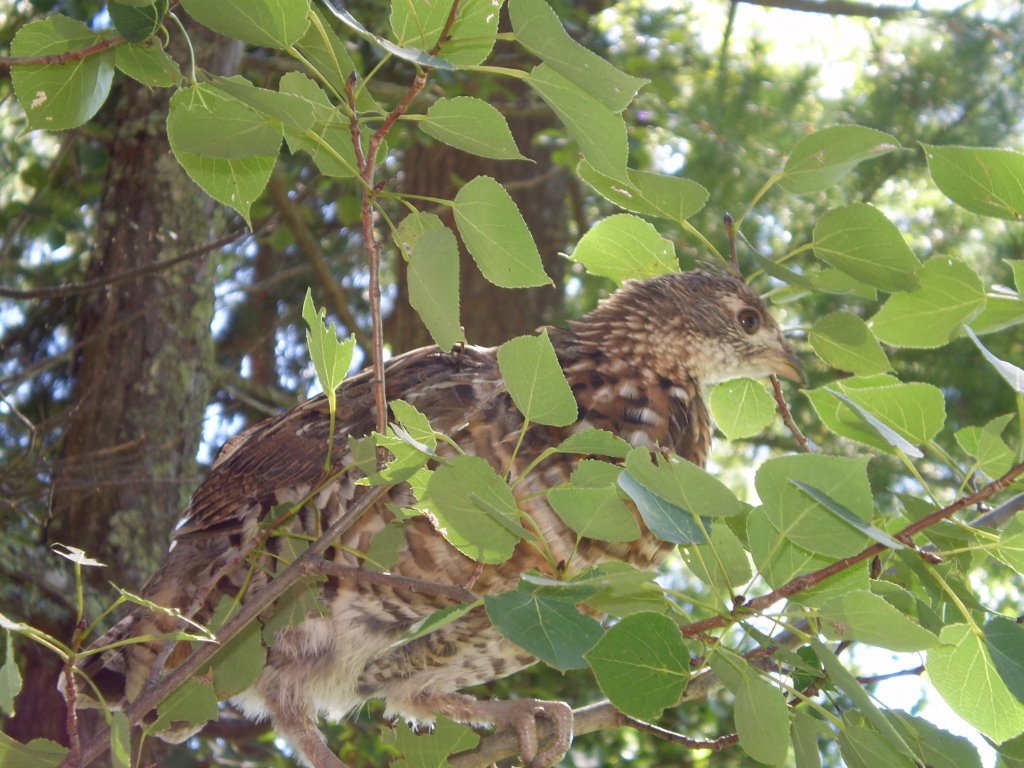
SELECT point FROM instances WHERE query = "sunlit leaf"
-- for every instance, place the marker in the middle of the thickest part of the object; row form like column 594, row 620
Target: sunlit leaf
column 596, row 513
column 535, row 380
column 760, row 713
column 861, row 615
column 861, row 241
column 825, row 157
column 431, row 749
column 650, row 194
column 641, row 664
column 433, row 278
column 951, row 294
column 265, row 23
column 741, row 408
column 983, row 180
column 1012, row 374
column 472, row 125
column 844, row 341
column 496, row 235
column 1004, row 639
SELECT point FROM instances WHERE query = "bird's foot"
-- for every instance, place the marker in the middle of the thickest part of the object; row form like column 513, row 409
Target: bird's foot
column 521, row 715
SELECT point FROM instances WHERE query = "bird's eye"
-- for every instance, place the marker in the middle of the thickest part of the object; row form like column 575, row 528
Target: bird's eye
column 749, row 320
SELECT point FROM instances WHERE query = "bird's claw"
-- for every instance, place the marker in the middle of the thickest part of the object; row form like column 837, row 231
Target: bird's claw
column 522, row 716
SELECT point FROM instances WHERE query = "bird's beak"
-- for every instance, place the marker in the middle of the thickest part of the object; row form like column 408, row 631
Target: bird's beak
column 788, row 366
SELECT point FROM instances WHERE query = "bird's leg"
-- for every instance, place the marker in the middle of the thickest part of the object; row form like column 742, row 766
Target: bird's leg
column 300, row 730
column 518, row 714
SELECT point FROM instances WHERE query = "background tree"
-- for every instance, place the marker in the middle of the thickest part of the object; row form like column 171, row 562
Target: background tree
column 722, row 113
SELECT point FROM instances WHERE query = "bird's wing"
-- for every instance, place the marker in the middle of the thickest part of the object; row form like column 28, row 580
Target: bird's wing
column 282, row 459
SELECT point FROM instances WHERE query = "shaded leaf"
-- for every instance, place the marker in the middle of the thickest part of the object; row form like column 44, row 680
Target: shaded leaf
column 1004, row 639
column 1012, row 374
column 847, row 516
column 552, row 630
column 861, row 615
column 431, row 750
column 596, row 513
column 472, row 125
column 683, row 484
column 963, row 673
column 433, row 278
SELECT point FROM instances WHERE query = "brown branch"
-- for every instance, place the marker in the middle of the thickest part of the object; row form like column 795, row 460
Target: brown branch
column 812, row 579
column 787, row 416
column 87, row 286
column 715, row 745
column 56, row 59
column 844, row 8
column 453, row 592
column 868, row 680
column 291, row 215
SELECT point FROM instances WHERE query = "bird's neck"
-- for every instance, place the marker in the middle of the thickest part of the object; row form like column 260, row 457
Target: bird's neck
column 618, row 389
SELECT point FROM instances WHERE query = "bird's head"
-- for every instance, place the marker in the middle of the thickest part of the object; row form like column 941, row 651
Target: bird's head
column 700, row 325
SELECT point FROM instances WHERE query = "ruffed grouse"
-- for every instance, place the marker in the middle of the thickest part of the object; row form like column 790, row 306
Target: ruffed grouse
column 638, row 366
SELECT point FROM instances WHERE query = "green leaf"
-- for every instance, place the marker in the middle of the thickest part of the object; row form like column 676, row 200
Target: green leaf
column 847, row 516
column 414, row 55
column 120, row 741
column 983, row 180
column 866, row 748
column 804, row 733
column 431, row 749
column 38, row 753
column 434, row 622
column 600, row 132
column 1017, row 267
column 881, row 411
column 651, row 194
column 994, row 457
column 844, row 341
column 433, row 278
column 291, row 110
column 964, row 675
column 419, row 25
column 722, row 562
column 452, row 495
column 552, row 630
column 56, row 97
column 936, row 747
column 863, row 616
column 329, row 58
column 822, row 159
column 848, row 684
column 1013, row 375
column 238, row 663
column 683, row 484
column 761, row 714
column 412, row 228
column 598, row 442
column 10, row 679
column 414, row 422
column 539, row 30
column 626, row 590
column 596, row 513
column 1002, row 310
column 265, row 23
column 1004, row 640
column 472, row 125
column 535, row 380
column 332, row 152
column 861, row 241
column 641, row 665
column 496, row 235
column 235, row 183
column 741, row 408
column 951, row 294
column 665, row 520
column 192, row 703
column 1011, row 545
column 331, row 358
column 803, row 520
column 624, row 247
column 204, row 120
column 778, row 560
column 148, row 63
column 137, row 22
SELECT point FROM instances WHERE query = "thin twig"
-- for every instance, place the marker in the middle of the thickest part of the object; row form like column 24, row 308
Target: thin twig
column 787, row 416
column 812, row 579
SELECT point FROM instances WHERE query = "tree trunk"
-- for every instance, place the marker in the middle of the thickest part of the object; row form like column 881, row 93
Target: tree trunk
column 141, row 377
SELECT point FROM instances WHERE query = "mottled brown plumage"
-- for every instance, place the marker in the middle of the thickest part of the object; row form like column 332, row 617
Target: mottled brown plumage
column 637, row 366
